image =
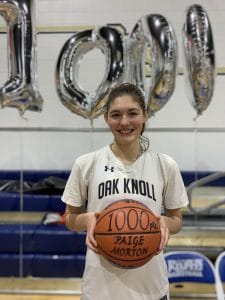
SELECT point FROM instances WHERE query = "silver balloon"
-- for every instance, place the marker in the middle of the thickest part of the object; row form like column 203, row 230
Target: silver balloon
column 20, row 90
column 200, row 57
column 110, row 42
column 153, row 36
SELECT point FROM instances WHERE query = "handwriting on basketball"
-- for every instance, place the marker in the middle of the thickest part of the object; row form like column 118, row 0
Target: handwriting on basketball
column 127, row 233
column 133, row 219
column 133, row 241
column 138, row 223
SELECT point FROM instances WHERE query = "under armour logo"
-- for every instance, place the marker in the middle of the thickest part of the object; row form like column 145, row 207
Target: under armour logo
column 109, row 169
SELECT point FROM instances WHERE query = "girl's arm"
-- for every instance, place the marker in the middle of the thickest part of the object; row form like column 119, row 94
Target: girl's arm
column 170, row 223
column 77, row 220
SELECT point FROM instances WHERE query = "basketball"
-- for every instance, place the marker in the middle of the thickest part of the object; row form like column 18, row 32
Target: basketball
column 127, row 233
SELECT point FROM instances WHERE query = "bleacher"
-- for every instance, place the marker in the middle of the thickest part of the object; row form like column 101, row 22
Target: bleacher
column 48, row 249
column 31, row 245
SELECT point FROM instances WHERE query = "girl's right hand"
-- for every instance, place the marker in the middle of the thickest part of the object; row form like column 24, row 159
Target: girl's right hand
column 90, row 239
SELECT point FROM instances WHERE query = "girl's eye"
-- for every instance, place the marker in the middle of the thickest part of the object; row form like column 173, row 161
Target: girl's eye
column 133, row 113
column 115, row 115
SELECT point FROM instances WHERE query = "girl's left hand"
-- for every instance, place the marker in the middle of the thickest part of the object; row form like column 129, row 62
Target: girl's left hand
column 165, row 234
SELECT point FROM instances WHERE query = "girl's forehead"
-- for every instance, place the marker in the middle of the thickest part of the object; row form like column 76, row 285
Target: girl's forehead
column 124, row 101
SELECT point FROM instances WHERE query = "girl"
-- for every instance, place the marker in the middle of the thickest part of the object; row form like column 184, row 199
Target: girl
column 96, row 180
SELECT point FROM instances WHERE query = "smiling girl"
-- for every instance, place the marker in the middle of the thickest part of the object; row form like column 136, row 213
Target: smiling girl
column 97, row 179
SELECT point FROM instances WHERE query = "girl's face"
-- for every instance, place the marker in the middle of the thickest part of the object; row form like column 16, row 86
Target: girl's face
column 125, row 119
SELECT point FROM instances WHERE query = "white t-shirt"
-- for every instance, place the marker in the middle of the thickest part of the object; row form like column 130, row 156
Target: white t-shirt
column 100, row 178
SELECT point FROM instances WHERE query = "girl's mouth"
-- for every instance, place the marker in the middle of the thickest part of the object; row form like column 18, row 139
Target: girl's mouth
column 125, row 132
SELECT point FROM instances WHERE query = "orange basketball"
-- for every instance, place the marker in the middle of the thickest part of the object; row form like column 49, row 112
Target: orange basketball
column 127, row 233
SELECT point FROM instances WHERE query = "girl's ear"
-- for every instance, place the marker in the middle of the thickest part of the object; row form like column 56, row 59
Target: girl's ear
column 106, row 116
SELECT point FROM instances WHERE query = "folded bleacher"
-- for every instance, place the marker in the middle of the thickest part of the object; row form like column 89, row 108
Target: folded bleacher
column 40, row 248
column 48, row 250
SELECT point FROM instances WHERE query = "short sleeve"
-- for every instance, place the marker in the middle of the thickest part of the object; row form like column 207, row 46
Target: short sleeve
column 75, row 192
column 175, row 195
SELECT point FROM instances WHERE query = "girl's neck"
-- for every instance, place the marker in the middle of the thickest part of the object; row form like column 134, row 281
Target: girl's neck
column 126, row 153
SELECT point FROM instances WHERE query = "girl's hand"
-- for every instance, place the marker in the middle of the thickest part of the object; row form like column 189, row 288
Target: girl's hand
column 91, row 223
column 165, row 234
column 169, row 224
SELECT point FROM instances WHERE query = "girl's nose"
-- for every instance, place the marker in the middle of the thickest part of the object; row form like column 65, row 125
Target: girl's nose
column 124, row 120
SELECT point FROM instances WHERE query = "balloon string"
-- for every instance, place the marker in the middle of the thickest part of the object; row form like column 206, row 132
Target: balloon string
column 21, row 198
column 21, row 206
column 196, row 148
column 195, row 118
column 196, row 159
column 92, row 135
column 23, row 118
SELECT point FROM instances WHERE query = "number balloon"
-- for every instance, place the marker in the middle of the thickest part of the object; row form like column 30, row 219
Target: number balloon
column 200, row 57
column 20, row 90
column 110, row 42
column 157, row 33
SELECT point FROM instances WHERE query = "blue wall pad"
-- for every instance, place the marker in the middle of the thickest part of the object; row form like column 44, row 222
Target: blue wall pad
column 52, row 203
column 48, row 203
column 36, row 175
column 11, row 265
column 45, row 239
column 33, row 175
column 58, row 265
column 191, row 176
column 40, row 265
